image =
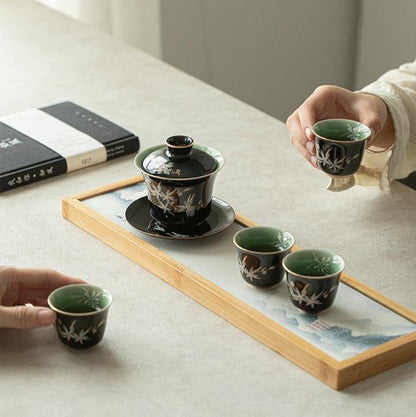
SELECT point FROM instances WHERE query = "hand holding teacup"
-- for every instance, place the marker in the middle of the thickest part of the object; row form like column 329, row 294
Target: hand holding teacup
column 332, row 102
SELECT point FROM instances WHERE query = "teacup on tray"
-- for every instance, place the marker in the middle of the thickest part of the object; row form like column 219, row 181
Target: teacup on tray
column 180, row 179
column 312, row 278
column 261, row 250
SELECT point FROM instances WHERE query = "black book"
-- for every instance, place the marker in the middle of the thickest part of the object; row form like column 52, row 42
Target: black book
column 37, row 144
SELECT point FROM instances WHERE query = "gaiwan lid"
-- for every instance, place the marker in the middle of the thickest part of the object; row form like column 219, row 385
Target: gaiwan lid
column 179, row 159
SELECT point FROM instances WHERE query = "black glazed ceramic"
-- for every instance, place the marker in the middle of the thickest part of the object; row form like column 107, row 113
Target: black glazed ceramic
column 180, row 179
column 81, row 314
column 340, row 159
column 313, row 278
column 177, row 204
column 312, row 296
column 220, row 217
column 81, row 332
column 260, row 252
column 179, row 159
column 340, row 145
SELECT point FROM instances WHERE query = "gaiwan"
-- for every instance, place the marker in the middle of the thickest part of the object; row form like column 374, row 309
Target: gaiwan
column 179, row 177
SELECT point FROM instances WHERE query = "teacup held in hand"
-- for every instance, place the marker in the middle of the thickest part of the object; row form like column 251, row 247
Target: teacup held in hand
column 340, row 145
column 260, row 251
column 81, row 314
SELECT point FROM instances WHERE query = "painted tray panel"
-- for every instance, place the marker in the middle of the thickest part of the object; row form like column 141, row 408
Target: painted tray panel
column 354, row 324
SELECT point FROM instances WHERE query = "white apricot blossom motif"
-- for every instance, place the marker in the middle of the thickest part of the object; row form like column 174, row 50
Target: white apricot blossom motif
column 355, row 132
column 251, row 272
column 174, row 200
column 333, row 162
column 300, row 295
column 167, row 169
column 91, row 298
column 322, row 264
column 283, row 241
column 68, row 332
column 188, row 207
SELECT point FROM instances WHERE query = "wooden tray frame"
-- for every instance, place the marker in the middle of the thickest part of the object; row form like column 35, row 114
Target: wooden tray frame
column 337, row 374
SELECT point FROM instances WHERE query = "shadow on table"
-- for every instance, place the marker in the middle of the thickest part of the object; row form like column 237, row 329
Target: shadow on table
column 40, row 348
column 399, row 376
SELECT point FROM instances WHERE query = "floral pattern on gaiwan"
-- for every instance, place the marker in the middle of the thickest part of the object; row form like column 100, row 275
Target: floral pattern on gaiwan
column 68, row 332
column 173, row 199
column 168, row 169
column 251, row 272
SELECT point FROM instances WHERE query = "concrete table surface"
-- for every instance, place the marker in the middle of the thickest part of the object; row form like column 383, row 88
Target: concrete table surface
column 171, row 355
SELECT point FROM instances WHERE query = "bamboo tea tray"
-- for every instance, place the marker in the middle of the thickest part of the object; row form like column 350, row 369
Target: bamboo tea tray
column 364, row 333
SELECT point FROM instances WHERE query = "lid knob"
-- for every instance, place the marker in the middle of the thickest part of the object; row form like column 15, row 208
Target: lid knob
column 179, row 147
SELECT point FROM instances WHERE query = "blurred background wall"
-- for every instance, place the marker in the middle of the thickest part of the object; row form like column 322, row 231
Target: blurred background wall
column 269, row 53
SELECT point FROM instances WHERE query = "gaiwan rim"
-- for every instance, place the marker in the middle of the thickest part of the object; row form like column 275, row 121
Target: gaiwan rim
column 140, row 157
column 68, row 313
column 356, row 122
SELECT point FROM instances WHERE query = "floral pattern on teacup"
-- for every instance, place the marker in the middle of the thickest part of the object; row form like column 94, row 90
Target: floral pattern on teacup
column 250, row 272
column 283, row 241
column 91, row 298
column 354, row 132
column 299, row 293
column 68, row 332
column 322, row 264
column 333, row 163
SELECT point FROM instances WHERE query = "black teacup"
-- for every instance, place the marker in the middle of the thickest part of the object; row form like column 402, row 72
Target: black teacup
column 81, row 314
column 340, row 145
column 312, row 278
column 261, row 251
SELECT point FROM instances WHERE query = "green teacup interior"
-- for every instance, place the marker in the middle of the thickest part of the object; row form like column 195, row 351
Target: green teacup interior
column 79, row 298
column 341, row 129
column 313, row 263
column 263, row 239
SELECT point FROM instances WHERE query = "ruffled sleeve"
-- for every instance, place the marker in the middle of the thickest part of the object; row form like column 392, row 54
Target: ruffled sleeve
column 398, row 90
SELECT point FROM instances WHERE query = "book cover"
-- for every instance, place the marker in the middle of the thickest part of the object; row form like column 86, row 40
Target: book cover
column 37, row 144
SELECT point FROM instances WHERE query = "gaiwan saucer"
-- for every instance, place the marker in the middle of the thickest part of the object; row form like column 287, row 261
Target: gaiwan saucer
column 221, row 216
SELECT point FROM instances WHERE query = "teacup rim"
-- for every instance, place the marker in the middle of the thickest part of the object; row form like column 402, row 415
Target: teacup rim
column 318, row 277
column 341, row 141
column 68, row 313
column 143, row 154
column 263, row 253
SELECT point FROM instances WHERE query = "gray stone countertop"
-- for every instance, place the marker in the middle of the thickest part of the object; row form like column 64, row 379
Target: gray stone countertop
column 174, row 357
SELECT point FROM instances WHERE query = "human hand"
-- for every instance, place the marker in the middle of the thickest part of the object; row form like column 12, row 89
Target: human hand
column 331, row 102
column 20, row 286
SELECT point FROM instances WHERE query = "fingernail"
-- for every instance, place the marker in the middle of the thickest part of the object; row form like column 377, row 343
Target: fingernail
column 308, row 133
column 46, row 317
column 314, row 161
column 310, row 146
